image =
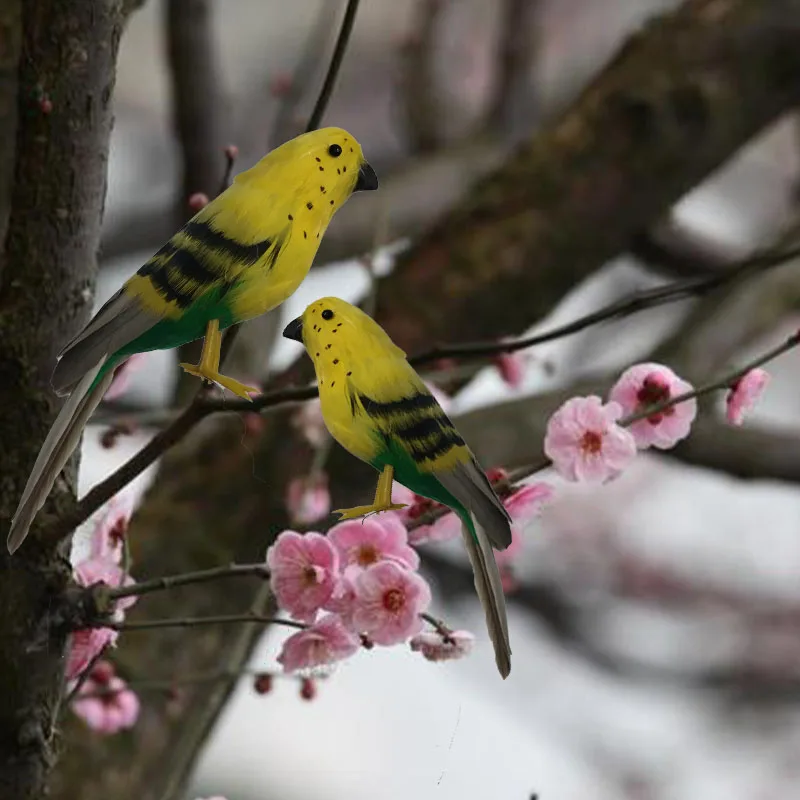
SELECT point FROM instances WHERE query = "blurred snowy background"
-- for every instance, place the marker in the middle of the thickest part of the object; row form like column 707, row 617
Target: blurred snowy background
column 676, row 672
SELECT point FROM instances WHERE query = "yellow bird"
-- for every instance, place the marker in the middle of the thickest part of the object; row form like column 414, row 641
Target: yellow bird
column 377, row 407
column 239, row 257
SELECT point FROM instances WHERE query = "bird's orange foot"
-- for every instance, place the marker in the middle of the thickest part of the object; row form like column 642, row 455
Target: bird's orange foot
column 232, row 385
column 362, row 511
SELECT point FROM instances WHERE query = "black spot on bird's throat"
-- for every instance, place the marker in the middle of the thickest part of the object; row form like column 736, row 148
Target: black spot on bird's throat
column 309, row 205
column 335, row 360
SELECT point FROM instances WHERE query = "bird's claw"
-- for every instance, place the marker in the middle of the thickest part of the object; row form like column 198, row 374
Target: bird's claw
column 223, row 381
column 362, row 511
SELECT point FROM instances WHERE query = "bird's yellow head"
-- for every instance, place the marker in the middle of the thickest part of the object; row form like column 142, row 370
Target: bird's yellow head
column 321, row 169
column 338, row 337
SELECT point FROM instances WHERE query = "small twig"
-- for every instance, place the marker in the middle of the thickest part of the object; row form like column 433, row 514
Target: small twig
column 333, row 70
column 191, row 622
column 201, row 576
column 637, row 301
column 438, row 625
column 285, row 123
column 313, row 122
column 231, row 154
column 166, row 685
column 84, row 676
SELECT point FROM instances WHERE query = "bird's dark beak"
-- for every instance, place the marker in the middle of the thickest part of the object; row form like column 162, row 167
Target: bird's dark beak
column 294, row 330
column 367, row 179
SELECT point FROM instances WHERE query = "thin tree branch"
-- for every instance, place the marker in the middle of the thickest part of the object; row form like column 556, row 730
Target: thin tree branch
column 313, row 121
column 191, row 622
column 336, row 62
column 201, row 576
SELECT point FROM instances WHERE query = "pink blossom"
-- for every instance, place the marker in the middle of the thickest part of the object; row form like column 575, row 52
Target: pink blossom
column 122, row 376
column 523, row 505
column 110, row 529
column 645, row 385
column 389, row 600
column 435, row 647
column 304, row 569
column 585, row 443
column 343, row 599
column 446, row 527
column 105, row 703
column 526, row 502
column 309, row 422
column 365, row 542
column 84, row 646
column 323, row 643
column 198, row 201
column 511, row 367
column 308, row 499
column 745, row 394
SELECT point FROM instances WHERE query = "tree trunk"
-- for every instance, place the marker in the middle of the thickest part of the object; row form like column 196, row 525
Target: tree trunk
column 65, row 81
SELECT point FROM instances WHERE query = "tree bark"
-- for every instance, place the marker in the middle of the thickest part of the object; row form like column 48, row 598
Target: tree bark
column 678, row 101
column 65, row 82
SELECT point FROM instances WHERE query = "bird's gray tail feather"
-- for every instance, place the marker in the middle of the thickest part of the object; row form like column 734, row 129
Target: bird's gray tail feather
column 56, row 450
column 490, row 592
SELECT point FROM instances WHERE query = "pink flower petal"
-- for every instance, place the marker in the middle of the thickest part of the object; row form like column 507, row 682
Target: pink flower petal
column 389, row 600
column 646, row 385
column 122, row 375
column 304, row 571
column 743, row 397
column 111, row 528
column 434, row 646
column 584, row 442
column 325, row 642
column 365, row 542
column 308, row 499
column 110, row 705
column 84, row 646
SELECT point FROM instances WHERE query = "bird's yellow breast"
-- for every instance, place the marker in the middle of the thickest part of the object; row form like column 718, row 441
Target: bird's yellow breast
column 296, row 221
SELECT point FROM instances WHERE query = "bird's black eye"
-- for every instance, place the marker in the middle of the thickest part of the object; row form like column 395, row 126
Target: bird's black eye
column 327, row 314
column 334, row 150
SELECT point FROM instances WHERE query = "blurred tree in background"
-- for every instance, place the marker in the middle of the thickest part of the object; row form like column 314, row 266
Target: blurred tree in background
column 523, row 146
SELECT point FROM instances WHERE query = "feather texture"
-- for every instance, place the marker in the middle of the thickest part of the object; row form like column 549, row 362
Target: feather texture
column 377, row 407
column 490, row 592
column 62, row 439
